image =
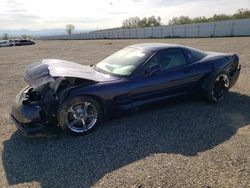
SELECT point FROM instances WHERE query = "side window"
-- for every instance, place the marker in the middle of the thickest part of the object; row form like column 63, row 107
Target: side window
column 168, row 59
column 194, row 54
column 172, row 58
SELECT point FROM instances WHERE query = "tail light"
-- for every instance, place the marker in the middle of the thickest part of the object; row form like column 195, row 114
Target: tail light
column 235, row 64
column 235, row 58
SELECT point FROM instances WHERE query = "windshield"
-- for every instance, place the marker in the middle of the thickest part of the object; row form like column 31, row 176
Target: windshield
column 124, row 62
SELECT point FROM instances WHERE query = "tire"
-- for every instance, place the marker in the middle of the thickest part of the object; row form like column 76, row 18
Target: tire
column 216, row 87
column 79, row 115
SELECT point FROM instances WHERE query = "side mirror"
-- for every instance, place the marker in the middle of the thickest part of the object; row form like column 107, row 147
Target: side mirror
column 152, row 69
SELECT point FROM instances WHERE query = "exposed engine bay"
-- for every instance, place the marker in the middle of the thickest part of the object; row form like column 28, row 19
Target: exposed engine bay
column 51, row 79
column 48, row 96
column 46, row 91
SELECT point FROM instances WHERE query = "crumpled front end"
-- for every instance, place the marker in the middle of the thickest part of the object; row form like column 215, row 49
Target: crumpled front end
column 27, row 113
column 34, row 109
column 38, row 74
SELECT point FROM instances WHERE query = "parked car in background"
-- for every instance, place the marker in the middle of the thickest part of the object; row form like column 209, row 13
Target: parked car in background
column 13, row 42
column 5, row 43
column 25, row 42
column 16, row 41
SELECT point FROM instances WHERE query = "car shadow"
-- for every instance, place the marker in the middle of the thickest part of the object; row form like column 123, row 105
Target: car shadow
column 184, row 128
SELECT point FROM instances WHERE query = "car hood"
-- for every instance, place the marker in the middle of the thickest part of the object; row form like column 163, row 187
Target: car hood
column 45, row 71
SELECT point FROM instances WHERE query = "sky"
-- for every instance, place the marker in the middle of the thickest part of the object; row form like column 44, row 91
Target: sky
column 103, row 14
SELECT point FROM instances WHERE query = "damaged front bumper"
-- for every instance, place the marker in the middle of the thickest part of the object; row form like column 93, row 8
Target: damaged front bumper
column 27, row 116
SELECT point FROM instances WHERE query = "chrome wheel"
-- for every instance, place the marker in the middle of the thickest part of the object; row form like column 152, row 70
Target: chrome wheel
column 220, row 87
column 81, row 117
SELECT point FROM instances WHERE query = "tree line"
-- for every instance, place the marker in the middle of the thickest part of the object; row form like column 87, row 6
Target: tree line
column 136, row 22
column 240, row 14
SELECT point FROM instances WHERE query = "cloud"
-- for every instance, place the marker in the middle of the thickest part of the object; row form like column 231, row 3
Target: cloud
column 85, row 14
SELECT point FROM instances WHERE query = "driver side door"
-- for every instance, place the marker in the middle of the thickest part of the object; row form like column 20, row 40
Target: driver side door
column 173, row 78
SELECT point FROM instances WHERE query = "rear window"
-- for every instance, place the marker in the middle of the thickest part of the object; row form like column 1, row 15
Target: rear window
column 194, row 54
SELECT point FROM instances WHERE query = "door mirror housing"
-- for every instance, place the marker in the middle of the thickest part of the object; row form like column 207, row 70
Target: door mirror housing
column 152, row 70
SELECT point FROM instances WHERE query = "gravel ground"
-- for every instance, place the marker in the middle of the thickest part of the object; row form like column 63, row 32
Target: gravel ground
column 185, row 144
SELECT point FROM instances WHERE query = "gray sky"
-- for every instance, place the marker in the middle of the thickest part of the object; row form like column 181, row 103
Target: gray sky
column 102, row 14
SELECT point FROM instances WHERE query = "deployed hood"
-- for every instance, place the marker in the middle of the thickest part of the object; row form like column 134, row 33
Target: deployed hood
column 47, row 70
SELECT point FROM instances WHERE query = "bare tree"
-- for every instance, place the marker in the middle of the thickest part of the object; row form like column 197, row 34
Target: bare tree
column 70, row 28
column 5, row 36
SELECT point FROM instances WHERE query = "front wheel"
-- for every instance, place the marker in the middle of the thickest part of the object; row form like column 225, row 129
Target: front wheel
column 216, row 87
column 79, row 115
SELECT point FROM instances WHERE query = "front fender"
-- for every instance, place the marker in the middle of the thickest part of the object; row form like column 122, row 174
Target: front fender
column 108, row 106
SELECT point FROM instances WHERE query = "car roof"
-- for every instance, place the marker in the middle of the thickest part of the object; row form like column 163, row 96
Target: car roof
column 155, row 46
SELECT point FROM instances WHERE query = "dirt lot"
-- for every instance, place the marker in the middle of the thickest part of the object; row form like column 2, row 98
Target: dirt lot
column 189, row 144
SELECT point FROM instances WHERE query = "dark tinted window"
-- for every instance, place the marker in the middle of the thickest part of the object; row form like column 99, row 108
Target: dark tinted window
column 168, row 59
column 194, row 54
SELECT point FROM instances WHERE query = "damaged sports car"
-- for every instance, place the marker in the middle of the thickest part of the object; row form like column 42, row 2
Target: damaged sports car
column 77, row 98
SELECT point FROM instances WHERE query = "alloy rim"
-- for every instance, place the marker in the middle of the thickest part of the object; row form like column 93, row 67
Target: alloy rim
column 220, row 87
column 81, row 117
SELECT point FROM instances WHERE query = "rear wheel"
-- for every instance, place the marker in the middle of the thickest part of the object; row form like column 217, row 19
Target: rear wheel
column 79, row 115
column 216, row 87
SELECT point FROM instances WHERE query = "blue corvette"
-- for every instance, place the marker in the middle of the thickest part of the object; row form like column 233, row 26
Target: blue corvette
column 77, row 97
